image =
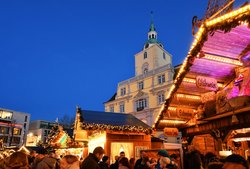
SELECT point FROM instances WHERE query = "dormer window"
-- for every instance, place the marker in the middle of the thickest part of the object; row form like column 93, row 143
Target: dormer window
column 123, row 91
column 145, row 55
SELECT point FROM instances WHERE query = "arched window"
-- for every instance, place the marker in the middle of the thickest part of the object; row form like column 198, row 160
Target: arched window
column 153, row 36
column 145, row 68
column 145, row 55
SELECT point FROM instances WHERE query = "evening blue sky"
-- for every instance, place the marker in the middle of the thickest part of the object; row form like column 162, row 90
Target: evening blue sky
column 59, row 54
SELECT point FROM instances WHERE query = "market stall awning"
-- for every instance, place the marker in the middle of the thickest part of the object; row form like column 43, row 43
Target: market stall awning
column 98, row 120
column 221, row 45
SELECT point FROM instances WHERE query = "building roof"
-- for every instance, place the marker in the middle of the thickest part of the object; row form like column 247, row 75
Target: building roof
column 112, row 98
column 115, row 119
column 111, row 121
column 218, row 49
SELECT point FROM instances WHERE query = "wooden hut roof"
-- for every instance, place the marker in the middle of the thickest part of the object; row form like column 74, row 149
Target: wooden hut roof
column 215, row 52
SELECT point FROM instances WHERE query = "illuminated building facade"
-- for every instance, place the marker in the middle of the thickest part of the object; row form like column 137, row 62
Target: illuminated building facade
column 13, row 127
column 38, row 131
column 143, row 94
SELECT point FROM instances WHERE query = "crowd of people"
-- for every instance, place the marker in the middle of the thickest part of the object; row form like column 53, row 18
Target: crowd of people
column 43, row 159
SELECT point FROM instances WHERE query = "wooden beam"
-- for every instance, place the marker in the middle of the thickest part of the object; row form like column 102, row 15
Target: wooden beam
column 222, row 124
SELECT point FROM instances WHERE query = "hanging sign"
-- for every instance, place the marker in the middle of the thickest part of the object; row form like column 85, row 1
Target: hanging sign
column 170, row 131
column 184, row 113
column 209, row 96
column 206, row 83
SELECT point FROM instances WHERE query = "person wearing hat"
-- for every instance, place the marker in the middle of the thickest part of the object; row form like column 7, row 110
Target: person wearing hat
column 163, row 154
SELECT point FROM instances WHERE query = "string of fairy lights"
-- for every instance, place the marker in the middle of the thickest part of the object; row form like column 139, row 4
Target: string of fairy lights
column 124, row 128
column 225, row 23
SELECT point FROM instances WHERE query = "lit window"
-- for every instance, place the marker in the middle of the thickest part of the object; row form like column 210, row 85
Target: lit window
column 140, row 85
column 161, row 98
column 123, row 91
column 141, row 104
column 145, row 55
column 122, row 108
column 16, row 131
column 112, row 109
column 161, row 79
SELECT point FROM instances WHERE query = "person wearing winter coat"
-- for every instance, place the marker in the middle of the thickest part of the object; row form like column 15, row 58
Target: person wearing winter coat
column 69, row 162
column 91, row 162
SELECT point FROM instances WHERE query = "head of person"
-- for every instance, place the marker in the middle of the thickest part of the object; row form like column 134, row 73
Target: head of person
column 124, row 162
column 164, row 161
column 192, row 160
column 162, row 153
column 41, row 152
column 215, row 165
column 17, row 160
column 235, row 161
column 33, row 153
column 98, row 152
column 105, row 159
column 67, row 161
column 143, row 154
column 122, row 154
column 116, row 157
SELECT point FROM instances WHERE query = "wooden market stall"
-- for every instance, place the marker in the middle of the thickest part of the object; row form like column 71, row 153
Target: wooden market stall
column 115, row 132
column 210, row 97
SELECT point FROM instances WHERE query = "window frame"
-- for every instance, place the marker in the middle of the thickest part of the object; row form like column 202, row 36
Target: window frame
column 160, row 98
column 122, row 107
column 140, row 85
column 123, row 91
column 161, row 79
column 141, row 104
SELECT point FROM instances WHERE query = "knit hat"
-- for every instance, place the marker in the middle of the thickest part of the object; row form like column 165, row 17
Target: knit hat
column 163, row 153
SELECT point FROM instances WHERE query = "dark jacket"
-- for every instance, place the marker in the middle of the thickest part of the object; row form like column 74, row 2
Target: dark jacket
column 91, row 162
column 140, row 164
column 103, row 165
column 114, row 165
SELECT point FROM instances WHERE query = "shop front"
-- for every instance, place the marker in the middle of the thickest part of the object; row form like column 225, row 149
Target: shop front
column 115, row 132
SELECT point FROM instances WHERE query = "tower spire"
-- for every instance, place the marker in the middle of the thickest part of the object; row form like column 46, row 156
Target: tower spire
column 152, row 34
column 152, row 27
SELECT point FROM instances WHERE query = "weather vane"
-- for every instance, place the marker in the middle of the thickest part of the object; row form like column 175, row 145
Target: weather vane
column 214, row 8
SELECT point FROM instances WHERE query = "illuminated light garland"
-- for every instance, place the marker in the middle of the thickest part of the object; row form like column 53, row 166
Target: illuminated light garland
column 173, row 121
column 124, row 128
column 228, row 16
column 172, row 108
column 187, row 96
column 241, row 139
column 198, row 42
column 222, row 59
